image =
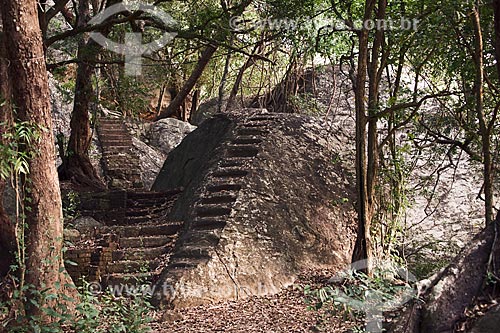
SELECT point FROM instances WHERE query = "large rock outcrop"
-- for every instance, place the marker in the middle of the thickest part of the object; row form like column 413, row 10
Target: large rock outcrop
column 265, row 196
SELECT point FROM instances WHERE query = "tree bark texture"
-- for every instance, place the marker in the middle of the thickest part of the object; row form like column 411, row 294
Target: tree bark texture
column 31, row 98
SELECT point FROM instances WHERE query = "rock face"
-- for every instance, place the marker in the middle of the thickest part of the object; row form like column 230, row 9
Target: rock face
column 150, row 161
column 166, row 134
column 264, row 198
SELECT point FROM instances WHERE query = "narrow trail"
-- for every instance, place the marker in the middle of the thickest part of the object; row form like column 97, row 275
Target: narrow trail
column 284, row 312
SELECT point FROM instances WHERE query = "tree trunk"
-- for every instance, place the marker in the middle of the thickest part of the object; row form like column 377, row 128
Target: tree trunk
column 223, row 81
column 449, row 293
column 481, row 116
column 239, row 78
column 30, row 92
column 362, row 249
column 76, row 164
column 7, row 229
column 177, row 102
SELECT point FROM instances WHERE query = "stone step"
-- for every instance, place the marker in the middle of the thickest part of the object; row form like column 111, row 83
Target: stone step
column 185, row 263
column 106, row 143
column 255, row 124
column 131, row 266
column 115, row 172
column 229, row 173
column 246, row 140
column 112, row 155
column 141, row 253
column 267, row 117
column 241, row 151
column 224, row 188
column 111, row 129
column 165, row 229
column 235, row 162
column 112, row 132
column 250, row 131
column 116, row 138
column 123, row 161
column 145, row 241
column 208, row 224
column 218, row 199
column 119, row 280
column 145, row 211
column 151, row 194
column 201, row 238
column 113, row 150
column 134, row 220
column 212, row 211
column 110, row 121
column 145, row 203
column 190, row 252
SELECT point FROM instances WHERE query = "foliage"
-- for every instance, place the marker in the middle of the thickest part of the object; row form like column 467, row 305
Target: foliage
column 354, row 292
column 110, row 313
column 70, row 205
column 14, row 160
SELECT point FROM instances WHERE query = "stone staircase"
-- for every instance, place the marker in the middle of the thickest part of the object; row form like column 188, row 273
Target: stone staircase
column 121, row 165
column 136, row 241
column 216, row 200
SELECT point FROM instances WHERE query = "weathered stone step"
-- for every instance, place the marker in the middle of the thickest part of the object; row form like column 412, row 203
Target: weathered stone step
column 223, row 188
column 131, row 266
column 218, row 199
column 149, row 202
column 134, row 220
column 146, row 241
column 250, row 131
column 111, row 129
column 191, row 252
column 244, row 140
column 142, row 253
column 229, row 162
column 201, row 238
column 212, row 211
column 208, row 224
column 118, row 135
column 119, row 281
column 166, row 229
column 113, row 150
column 127, row 174
column 229, row 173
column 254, row 125
column 110, row 121
column 107, row 143
column 139, row 195
column 186, row 263
column 144, row 211
column 113, row 155
column 268, row 117
column 242, row 151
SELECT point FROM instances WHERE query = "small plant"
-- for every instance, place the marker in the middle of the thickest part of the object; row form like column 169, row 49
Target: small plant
column 108, row 313
column 354, row 293
column 71, row 201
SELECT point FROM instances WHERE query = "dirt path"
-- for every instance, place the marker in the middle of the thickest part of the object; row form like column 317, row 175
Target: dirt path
column 284, row 312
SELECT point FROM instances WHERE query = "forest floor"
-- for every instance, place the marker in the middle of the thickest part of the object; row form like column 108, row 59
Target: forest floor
column 284, row 312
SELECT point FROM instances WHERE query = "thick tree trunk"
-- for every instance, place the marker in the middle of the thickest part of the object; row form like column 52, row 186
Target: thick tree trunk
column 31, row 97
column 76, row 164
column 7, row 229
column 177, row 102
column 447, row 295
column 362, row 249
